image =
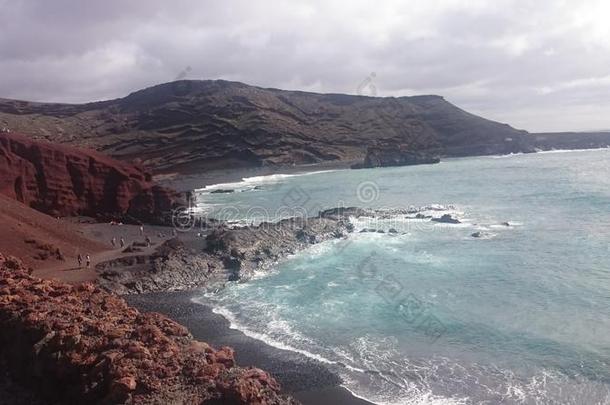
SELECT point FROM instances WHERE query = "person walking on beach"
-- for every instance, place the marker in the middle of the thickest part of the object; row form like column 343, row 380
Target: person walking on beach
column 80, row 260
column 122, row 241
column 147, row 241
column 88, row 261
column 113, row 241
column 141, row 230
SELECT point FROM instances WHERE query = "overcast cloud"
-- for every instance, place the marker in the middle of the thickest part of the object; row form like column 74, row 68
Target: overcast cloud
column 538, row 65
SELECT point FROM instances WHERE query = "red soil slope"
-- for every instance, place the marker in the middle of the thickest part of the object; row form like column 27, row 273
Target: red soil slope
column 35, row 236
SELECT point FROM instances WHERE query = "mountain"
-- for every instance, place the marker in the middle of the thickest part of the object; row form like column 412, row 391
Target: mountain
column 190, row 126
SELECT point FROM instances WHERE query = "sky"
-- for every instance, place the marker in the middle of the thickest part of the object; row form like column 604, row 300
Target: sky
column 537, row 65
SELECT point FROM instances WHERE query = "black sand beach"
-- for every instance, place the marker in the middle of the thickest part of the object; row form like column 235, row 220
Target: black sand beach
column 307, row 380
column 189, row 182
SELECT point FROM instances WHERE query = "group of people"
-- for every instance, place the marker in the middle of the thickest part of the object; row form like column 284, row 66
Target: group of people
column 122, row 240
column 87, row 260
column 147, row 239
column 121, row 243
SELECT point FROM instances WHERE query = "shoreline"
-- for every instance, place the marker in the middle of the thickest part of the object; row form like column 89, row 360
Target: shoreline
column 305, row 379
column 192, row 181
column 182, row 182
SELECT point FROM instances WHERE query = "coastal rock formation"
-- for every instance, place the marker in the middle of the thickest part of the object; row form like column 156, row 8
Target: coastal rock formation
column 571, row 140
column 230, row 254
column 397, row 155
column 245, row 250
column 447, row 219
column 191, row 126
column 83, row 345
column 172, row 267
column 65, row 181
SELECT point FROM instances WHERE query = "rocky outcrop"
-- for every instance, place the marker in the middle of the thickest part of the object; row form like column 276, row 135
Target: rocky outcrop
column 172, row 267
column 83, row 345
column 244, row 250
column 230, row 254
column 397, row 156
column 65, row 181
column 447, row 219
column 191, row 126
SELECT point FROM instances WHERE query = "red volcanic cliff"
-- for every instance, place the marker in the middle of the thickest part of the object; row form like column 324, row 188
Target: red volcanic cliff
column 83, row 345
column 66, row 181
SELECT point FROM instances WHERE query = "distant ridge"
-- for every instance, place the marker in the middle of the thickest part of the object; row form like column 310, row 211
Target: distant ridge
column 571, row 140
column 190, row 126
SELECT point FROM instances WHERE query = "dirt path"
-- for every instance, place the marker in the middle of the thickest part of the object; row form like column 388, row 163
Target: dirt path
column 68, row 271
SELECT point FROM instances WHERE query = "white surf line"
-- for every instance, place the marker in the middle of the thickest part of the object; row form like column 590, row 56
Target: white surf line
column 256, row 180
column 551, row 151
column 236, row 325
column 546, row 152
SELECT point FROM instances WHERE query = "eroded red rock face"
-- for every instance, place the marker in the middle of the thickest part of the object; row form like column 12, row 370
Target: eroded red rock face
column 80, row 344
column 66, row 181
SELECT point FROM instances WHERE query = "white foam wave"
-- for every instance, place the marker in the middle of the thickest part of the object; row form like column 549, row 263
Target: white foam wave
column 249, row 183
column 375, row 354
column 543, row 152
column 507, row 155
column 267, row 339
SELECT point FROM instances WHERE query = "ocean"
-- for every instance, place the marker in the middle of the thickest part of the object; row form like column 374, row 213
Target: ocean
column 425, row 312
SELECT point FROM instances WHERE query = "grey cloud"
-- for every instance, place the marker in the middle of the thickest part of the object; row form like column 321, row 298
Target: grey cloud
column 536, row 65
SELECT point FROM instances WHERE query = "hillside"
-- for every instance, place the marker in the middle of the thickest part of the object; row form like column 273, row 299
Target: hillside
column 35, row 237
column 571, row 140
column 66, row 181
column 189, row 126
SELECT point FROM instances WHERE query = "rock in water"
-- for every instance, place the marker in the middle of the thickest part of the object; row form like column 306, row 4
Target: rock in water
column 447, row 219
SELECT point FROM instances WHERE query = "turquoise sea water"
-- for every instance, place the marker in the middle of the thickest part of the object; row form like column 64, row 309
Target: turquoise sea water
column 431, row 315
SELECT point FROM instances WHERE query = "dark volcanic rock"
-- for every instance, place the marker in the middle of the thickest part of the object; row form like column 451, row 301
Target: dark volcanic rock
column 422, row 216
column 230, row 254
column 64, row 181
column 571, row 140
column 189, row 126
column 447, row 219
column 365, row 230
column 83, row 345
column 396, row 156
column 171, row 268
column 251, row 248
column 343, row 212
